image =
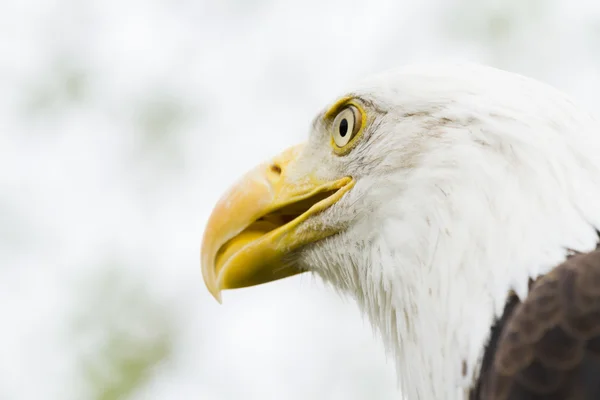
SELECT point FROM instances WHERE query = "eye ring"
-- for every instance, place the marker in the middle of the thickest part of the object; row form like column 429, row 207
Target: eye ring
column 345, row 126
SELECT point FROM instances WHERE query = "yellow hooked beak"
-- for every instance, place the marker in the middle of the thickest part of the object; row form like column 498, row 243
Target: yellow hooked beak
column 257, row 223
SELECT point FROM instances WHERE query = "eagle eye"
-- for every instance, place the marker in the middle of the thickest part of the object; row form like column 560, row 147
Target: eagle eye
column 346, row 125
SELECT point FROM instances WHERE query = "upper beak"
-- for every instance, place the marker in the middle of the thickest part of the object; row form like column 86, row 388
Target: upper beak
column 256, row 224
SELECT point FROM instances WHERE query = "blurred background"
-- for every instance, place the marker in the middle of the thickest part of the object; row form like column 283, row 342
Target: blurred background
column 123, row 121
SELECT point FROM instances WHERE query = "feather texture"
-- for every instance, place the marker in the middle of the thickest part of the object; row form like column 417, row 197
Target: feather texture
column 471, row 182
column 549, row 345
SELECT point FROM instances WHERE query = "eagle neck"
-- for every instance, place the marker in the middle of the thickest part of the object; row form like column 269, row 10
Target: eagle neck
column 422, row 319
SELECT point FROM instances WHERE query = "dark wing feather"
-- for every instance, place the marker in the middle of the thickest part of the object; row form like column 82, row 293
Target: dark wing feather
column 548, row 347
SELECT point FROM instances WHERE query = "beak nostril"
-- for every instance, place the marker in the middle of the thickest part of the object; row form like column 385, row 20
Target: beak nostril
column 276, row 169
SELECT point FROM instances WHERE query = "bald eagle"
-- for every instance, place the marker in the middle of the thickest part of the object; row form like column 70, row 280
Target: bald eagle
column 460, row 206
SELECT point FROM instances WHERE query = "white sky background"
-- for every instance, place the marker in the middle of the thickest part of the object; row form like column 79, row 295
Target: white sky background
column 122, row 122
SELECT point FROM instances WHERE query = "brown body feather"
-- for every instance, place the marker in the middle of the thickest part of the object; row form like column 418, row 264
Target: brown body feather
column 548, row 347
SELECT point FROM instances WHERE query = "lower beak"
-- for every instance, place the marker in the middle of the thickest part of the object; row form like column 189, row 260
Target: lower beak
column 258, row 223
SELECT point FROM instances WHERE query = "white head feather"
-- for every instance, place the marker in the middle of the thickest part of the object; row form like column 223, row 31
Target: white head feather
column 470, row 180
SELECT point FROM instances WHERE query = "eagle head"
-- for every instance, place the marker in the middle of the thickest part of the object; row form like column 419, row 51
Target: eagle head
column 428, row 193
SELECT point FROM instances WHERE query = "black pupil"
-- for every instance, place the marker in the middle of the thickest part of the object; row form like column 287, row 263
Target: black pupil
column 343, row 127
